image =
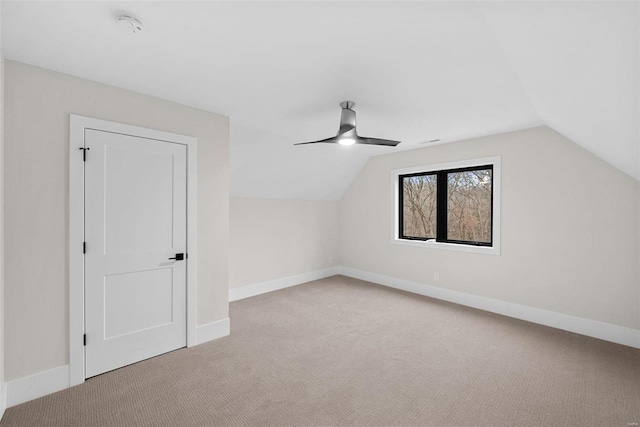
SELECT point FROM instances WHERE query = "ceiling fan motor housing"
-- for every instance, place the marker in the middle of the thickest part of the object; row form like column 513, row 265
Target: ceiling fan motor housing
column 347, row 121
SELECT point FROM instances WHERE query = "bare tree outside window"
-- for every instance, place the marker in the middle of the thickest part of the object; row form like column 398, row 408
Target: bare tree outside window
column 419, row 206
column 465, row 211
column 469, row 206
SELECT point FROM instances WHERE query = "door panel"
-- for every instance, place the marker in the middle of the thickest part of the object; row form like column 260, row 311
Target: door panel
column 135, row 220
column 129, row 293
column 139, row 204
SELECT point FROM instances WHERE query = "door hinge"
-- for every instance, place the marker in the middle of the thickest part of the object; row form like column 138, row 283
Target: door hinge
column 84, row 339
column 84, row 153
column 84, row 247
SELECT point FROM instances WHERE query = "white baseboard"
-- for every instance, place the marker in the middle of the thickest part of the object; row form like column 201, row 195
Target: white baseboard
column 37, row 385
column 214, row 330
column 247, row 291
column 3, row 399
column 592, row 328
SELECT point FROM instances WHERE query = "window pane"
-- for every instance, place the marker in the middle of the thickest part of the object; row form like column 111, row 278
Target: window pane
column 419, row 206
column 469, row 206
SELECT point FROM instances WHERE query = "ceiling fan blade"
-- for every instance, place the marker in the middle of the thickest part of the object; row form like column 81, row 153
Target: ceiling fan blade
column 332, row 140
column 377, row 141
column 347, row 133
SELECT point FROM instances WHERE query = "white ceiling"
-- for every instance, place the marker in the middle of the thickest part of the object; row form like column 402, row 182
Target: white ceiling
column 416, row 70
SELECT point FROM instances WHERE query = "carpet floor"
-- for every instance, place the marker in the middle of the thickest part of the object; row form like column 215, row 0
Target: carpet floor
column 341, row 351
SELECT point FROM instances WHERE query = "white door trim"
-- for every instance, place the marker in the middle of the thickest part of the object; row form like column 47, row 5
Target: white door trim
column 77, row 126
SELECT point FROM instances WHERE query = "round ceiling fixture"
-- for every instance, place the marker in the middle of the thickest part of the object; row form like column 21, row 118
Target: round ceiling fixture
column 346, row 141
column 130, row 23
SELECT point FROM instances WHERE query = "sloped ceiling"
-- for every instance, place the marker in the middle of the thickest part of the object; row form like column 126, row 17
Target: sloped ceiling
column 578, row 63
column 418, row 71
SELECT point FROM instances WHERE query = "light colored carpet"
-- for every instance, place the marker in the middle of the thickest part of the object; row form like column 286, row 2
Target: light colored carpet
column 340, row 351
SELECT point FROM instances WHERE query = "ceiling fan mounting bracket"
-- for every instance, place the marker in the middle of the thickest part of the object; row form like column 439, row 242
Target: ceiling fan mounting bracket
column 347, row 104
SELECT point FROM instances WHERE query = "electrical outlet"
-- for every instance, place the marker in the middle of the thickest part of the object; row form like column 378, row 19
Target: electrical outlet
column 436, row 276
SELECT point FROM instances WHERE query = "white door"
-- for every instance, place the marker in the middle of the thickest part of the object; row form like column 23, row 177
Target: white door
column 135, row 222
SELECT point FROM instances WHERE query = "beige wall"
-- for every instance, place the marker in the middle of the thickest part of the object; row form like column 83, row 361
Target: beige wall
column 37, row 107
column 570, row 232
column 1, row 211
column 271, row 239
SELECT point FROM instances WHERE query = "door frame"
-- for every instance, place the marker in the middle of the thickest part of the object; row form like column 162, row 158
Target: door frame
column 77, row 126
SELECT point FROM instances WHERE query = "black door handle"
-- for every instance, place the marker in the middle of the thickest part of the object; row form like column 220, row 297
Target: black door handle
column 178, row 257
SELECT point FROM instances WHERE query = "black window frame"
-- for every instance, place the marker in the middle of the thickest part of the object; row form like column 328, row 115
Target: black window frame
column 442, row 201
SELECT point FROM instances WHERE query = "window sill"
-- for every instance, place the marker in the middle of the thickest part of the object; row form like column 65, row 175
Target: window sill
column 432, row 244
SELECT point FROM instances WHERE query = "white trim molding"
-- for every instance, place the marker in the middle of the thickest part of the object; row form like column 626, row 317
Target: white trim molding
column 3, row 399
column 37, row 385
column 591, row 328
column 43, row 383
column 77, row 126
column 247, row 291
column 213, row 331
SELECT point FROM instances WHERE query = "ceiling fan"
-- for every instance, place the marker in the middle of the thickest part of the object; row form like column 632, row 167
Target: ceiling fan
column 347, row 134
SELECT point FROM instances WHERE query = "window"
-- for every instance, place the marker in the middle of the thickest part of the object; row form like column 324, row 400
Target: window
column 449, row 205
